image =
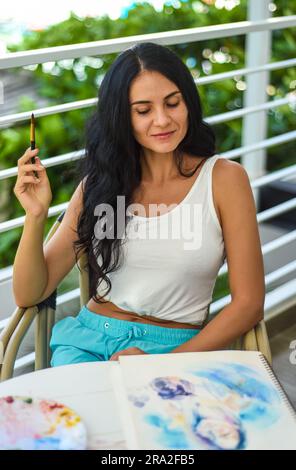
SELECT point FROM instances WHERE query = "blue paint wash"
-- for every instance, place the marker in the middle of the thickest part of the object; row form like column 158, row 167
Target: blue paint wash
column 245, row 382
column 169, row 438
column 243, row 398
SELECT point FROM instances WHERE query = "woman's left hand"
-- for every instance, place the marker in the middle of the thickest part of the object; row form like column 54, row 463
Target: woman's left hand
column 126, row 352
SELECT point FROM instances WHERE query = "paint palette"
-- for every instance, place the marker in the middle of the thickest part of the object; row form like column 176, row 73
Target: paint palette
column 28, row 423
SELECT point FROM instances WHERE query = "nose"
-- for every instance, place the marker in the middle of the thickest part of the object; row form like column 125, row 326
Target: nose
column 161, row 118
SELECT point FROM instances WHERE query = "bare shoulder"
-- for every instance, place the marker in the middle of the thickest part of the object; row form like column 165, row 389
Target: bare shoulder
column 230, row 180
column 228, row 169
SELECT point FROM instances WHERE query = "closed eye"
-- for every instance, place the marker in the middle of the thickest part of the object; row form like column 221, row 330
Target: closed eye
column 170, row 105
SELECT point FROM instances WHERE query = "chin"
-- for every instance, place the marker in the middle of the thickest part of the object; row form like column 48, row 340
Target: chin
column 162, row 150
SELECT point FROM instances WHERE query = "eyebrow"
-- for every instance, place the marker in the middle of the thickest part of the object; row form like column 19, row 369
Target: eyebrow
column 146, row 101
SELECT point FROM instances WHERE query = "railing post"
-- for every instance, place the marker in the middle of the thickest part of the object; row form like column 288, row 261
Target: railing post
column 254, row 126
column 1, row 92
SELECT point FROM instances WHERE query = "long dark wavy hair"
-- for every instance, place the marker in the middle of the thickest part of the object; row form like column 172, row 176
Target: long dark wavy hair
column 111, row 166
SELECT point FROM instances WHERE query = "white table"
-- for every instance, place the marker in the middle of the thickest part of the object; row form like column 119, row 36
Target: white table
column 86, row 388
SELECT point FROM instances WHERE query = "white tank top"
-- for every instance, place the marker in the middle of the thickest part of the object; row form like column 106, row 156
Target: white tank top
column 171, row 261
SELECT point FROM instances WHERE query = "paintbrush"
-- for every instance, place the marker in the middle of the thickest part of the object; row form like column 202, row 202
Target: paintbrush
column 32, row 140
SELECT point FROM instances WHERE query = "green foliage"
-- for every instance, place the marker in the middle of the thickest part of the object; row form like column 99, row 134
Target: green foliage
column 78, row 79
column 221, row 288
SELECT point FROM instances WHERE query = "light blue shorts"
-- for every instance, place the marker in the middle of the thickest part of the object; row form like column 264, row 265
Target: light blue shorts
column 91, row 337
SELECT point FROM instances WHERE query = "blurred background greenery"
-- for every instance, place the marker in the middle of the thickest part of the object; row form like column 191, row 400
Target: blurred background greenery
column 72, row 80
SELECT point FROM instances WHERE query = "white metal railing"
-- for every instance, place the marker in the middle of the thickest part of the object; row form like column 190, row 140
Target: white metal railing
column 108, row 46
column 277, row 301
column 269, row 247
column 261, row 217
column 179, row 36
column 216, row 119
column 73, row 105
column 26, row 58
column 279, row 273
column 270, row 278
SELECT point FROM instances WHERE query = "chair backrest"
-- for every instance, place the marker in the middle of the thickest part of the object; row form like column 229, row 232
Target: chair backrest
column 83, row 279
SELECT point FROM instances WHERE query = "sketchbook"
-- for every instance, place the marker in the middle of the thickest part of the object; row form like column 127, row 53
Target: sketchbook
column 218, row 400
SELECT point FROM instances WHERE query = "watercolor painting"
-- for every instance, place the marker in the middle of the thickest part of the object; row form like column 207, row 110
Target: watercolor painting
column 28, row 423
column 212, row 405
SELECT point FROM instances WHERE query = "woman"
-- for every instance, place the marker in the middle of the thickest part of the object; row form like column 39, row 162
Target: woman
column 146, row 145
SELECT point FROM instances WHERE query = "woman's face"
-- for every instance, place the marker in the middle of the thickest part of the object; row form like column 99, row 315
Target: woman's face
column 157, row 107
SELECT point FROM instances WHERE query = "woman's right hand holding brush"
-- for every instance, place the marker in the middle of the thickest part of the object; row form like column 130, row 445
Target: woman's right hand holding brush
column 34, row 194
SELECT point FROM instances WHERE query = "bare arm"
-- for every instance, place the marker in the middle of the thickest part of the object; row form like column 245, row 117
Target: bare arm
column 59, row 253
column 38, row 269
column 244, row 259
column 29, row 268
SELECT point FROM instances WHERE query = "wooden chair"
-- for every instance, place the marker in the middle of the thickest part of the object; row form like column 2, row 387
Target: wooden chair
column 44, row 315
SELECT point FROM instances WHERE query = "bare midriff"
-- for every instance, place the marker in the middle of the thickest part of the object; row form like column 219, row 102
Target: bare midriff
column 111, row 310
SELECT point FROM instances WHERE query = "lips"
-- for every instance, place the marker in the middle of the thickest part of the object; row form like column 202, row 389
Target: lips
column 163, row 134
